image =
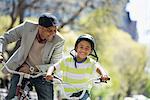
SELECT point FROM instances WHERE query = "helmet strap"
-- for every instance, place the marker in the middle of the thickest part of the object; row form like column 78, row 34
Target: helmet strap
column 75, row 63
column 95, row 55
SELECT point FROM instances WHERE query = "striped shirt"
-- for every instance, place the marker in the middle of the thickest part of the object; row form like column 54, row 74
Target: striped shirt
column 77, row 78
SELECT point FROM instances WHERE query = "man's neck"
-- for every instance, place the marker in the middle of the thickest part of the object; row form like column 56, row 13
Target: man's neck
column 40, row 40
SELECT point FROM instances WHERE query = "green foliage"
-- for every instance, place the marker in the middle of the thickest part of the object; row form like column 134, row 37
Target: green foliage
column 70, row 39
column 123, row 58
column 147, row 88
column 100, row 18
column 4, row 23
column 32, row 19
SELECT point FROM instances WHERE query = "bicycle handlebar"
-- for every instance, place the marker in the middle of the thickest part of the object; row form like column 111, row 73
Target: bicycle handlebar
column 100, row 79
column 60, row 81
column 25, row 75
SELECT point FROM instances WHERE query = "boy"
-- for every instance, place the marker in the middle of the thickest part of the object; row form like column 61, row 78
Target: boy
column 78, row 67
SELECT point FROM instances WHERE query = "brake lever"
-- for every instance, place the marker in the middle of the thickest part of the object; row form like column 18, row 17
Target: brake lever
column 56, row 77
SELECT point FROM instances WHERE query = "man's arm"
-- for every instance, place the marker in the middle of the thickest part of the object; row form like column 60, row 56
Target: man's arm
column 58, row 52
column 10, row 36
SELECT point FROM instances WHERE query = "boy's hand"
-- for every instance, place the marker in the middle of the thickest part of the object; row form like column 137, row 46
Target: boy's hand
column 49, row 77
column 25, row 69
column 105, row 78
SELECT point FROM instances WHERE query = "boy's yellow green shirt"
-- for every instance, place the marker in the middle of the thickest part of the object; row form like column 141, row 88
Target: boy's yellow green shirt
column 77, row 78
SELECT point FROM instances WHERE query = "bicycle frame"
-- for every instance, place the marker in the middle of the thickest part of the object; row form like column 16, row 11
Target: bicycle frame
column 22, row 94
column 57, row 80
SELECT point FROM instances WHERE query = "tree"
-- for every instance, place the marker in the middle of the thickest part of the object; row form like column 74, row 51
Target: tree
column 18, row 9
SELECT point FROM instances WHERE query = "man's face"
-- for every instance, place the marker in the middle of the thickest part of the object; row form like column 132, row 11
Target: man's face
column 47, row 33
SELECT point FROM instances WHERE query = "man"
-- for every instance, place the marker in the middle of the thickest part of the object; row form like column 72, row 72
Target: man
column 41, row 44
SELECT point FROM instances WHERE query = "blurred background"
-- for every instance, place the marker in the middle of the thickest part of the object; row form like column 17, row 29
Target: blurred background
column 121, row 29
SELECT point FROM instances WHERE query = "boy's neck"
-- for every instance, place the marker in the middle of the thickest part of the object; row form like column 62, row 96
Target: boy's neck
column 79, row 60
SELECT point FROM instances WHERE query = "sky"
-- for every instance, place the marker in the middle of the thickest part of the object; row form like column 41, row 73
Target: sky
column 140, row 11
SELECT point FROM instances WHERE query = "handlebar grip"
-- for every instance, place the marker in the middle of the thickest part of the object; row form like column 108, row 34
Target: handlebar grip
column 108, row 78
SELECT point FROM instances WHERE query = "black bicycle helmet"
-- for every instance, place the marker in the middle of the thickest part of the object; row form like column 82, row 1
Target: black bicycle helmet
column 88, row 38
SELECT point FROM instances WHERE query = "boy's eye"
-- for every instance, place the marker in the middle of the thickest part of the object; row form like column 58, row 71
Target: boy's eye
column 81, row 47
column 87, row 49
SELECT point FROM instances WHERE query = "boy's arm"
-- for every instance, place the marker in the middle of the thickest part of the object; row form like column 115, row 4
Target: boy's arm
column 49, row 73
column 101, row 71
column 51, row 70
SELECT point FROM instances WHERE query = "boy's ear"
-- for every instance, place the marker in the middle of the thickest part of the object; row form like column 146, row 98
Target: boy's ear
column 75, row 48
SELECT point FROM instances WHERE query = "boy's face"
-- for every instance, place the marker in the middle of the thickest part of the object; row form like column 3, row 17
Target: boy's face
column 47, row 33
column 83, row 49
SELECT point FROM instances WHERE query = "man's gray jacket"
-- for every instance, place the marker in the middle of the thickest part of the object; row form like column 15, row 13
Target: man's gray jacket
column 26, row 32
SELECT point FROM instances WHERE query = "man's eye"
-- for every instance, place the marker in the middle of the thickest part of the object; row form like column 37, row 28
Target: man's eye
column 49, row 30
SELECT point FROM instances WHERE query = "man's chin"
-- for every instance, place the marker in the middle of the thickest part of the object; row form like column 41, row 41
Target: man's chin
column 49, row 39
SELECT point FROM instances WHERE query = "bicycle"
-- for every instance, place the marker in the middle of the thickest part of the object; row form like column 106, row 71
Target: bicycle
column 22, row 91
column 78, row 94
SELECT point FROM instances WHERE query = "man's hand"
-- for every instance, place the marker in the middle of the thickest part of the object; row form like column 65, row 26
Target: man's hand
column 25, row 68
column 1, row 57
